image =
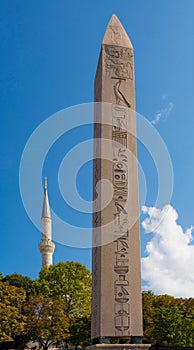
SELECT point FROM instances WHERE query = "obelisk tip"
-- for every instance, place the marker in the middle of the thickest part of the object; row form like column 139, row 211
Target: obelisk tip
column 115, row 34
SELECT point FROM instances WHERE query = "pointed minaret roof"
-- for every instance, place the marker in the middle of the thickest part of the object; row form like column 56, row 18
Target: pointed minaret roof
column 46, row 213
column 115, row 34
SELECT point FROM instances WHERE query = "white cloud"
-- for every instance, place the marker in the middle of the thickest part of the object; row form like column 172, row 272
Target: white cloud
column 163, row 114
column 168, row 267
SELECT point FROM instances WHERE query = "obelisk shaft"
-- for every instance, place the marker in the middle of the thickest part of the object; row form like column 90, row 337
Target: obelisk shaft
column 116, row 299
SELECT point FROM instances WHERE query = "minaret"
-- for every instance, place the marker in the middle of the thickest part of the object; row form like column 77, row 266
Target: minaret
column 46, row 246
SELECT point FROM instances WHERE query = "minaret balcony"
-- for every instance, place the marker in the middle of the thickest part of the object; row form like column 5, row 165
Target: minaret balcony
column 46, row 246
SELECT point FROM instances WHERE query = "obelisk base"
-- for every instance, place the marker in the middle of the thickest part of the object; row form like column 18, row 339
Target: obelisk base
column 119, row 347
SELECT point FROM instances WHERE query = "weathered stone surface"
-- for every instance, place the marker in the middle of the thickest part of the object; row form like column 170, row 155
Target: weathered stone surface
column 116, row 300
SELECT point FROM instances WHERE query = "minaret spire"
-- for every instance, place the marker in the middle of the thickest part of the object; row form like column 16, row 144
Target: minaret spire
column 46, row 246
column 46, row 213
column 45, row 183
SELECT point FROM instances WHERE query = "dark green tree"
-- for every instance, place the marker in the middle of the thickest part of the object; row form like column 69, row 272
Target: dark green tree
column 80, row 331
column 20, row 281
column 167, row 320
column 12, row 321
column 148, row 303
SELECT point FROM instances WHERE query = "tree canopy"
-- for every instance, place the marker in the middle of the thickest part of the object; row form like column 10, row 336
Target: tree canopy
column 168, row 321
column 70, row 283
column 12, row 321
column 46, row 321
column 20, row 281
column 56, row 308
column 49, row 309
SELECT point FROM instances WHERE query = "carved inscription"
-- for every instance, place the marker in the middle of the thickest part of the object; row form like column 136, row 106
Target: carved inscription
column 119, row 61
column 120, row 194
column 116, row 32
column 120, row 97
column 119, row 67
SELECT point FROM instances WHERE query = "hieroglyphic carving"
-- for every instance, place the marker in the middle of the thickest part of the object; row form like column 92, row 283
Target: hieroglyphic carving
column 116, row 33
column 119, row 118
column 120, row 97
column 120, row 195
column 119, row 61
column 119, row 67
column 122, row 320
column 116, row 274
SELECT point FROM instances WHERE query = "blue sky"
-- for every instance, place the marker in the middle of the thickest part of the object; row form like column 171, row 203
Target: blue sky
column 49, row 54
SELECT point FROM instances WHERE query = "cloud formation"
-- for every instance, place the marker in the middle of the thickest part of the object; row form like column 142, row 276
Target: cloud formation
column 168, row 267
column 163, row 114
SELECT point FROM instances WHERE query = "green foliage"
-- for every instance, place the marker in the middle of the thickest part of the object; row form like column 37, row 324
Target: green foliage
column 168, row 321
column 20, row 281
column 148, row 317
column 80, row 331
column 12, row 321
column 46, row 321
column 70, row 283
column 47, row 309
column 55, row 309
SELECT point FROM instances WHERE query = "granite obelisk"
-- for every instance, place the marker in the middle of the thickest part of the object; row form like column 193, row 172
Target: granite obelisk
column 116, row 298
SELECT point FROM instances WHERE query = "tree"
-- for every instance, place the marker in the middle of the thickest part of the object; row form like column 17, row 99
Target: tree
column 12, row 321
column 80, row 331
column 56, row 302
column 168, row 321
column 20, row 281
column 169, row 326
column 188, row 320
column 46, row 321
column 70, row 283
column 148, row 301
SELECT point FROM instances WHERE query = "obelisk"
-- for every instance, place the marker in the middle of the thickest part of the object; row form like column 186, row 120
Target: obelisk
column 116, row 295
